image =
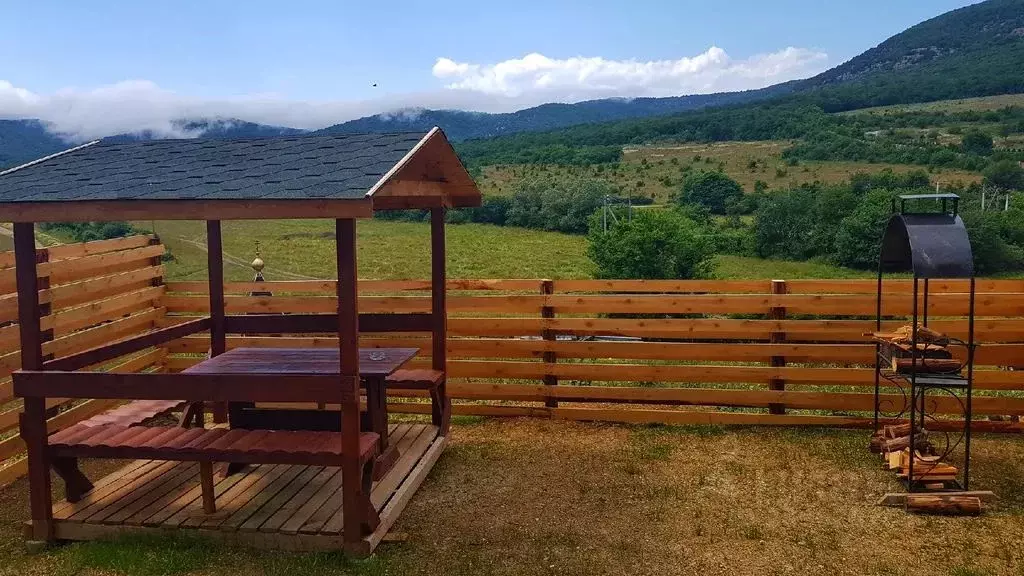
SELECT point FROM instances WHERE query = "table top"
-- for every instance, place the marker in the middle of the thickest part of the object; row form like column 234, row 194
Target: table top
column 372, row 361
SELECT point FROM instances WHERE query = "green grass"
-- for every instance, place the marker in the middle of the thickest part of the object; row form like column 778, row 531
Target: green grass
column 657, row 171
column 293, row 249
column 731, row 267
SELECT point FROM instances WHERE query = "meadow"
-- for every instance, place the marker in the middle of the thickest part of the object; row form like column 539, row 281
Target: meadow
column 657, row 172
column 296, row 250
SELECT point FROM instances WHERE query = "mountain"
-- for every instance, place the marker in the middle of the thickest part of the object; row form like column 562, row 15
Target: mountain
column 23, row 140
column 973, row 51
column 461, row 125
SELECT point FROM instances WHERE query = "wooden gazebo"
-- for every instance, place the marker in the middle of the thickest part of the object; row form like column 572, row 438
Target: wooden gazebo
column 343, row 177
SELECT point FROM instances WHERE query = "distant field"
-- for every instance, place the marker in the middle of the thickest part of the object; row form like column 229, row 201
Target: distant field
column 295, row 249
column 746, row 162
column 397, row 250
column 980, row 104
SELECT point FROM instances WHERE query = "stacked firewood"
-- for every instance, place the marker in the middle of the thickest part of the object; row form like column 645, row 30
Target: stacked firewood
column 893, row 443
column 932, row 354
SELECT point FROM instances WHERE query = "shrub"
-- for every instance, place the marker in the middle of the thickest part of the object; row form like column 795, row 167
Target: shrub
column 557, row 205
column 713, row 190
column 1005, row 174
column 859, row 236
column 976, row 142
column 654, row 244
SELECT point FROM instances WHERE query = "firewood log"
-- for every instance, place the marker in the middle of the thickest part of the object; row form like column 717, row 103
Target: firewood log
column 897, row 430
column 927, row 365
column 903, row 442
column 938, row 504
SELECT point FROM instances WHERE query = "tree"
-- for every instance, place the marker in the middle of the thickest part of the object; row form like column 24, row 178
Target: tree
column 859, row 236
column 561, row 205
column 714, row 190
column 655, row 244
column 783, row 225
column 976, row 142
column 1005, row 174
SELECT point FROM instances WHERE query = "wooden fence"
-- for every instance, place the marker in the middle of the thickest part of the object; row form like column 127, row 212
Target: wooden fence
column 679, row 352
column 91, row 293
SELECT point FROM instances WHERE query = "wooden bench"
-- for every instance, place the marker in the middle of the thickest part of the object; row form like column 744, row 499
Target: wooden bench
column 425, row 379
column 207, row 446
column 135, row 413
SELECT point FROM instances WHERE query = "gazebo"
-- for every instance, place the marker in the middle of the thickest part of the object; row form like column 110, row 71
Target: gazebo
column 341, row 177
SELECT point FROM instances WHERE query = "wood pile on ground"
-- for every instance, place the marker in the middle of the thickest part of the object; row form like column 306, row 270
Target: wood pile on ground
column 893, row 444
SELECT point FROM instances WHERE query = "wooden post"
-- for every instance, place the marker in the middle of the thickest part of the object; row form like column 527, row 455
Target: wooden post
column 777, row 337
column 440, row 405
column 33, row 419
column 547, row 287
column 348, row 343
column 215, row 270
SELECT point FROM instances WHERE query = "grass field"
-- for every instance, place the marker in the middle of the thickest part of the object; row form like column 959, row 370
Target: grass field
column 981, row 104
column 295, row 250
column 531, row 497
column 657, row 171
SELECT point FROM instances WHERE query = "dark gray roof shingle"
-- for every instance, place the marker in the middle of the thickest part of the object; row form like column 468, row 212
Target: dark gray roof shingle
column 343, row 166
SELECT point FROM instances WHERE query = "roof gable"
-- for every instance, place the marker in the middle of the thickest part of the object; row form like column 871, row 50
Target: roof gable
column 325, row 169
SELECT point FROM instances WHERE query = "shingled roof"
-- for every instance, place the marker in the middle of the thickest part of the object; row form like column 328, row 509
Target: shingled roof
column 420, row 167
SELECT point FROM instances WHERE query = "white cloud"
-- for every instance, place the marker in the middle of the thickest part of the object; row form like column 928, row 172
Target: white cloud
column 142, row 105
column 579, row 78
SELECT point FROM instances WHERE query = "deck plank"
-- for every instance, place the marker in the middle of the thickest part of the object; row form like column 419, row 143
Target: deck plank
column 329, row 492
column 298, row 500
column 138, row 492
column 286, row 507
column 235, row 521
column 238, row 498
column 80, row 513
column 411, row 447
column 183, row 474
column 333, row 505
column 253, row 524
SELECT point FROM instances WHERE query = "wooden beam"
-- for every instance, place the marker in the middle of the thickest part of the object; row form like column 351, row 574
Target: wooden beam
column 348, row 343
column 183, row 386
column 107, row 210
column 215, row 268
column 33, row 420
column 325, row 323
column 111, row 351
column 440, row 409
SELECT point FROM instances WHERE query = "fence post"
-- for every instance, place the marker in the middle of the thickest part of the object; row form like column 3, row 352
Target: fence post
column 777, row 337
column 547, row 287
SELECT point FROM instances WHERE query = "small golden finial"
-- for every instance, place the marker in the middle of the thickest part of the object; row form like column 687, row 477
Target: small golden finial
column 257, row 264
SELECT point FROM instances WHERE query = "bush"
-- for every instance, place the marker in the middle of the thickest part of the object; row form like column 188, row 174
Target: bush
column 976, row 142
column 713, row 190
column 859, row 236
column 992, row 253
column 90, row 231
column 1005, row 174
column 654, row 244
column 783, row 225
column 557, row 205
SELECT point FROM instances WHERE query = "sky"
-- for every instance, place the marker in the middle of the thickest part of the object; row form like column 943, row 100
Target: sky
column 100, row 67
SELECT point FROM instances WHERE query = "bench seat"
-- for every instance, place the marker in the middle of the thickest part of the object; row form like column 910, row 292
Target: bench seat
column 135, row 413
column 206, row 445
column 415, row 379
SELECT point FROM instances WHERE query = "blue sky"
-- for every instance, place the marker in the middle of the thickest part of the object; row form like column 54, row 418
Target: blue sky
column 325, row 56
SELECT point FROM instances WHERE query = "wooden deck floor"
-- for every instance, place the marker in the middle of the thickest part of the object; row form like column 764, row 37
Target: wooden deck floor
column 267, row 506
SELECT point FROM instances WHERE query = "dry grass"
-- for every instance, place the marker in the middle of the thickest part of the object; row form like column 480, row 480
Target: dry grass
column 523, row 497
column 981, row 104
column 746, row 162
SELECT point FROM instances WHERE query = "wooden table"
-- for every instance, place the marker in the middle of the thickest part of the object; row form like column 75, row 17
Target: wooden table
column 375, row 365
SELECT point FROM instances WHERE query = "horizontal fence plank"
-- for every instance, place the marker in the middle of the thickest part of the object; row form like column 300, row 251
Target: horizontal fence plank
column 99, row 264
column 80, row 249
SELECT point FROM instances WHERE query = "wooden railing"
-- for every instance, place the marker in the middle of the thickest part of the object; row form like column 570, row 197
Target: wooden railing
column 91, row 294
column 679, row 352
